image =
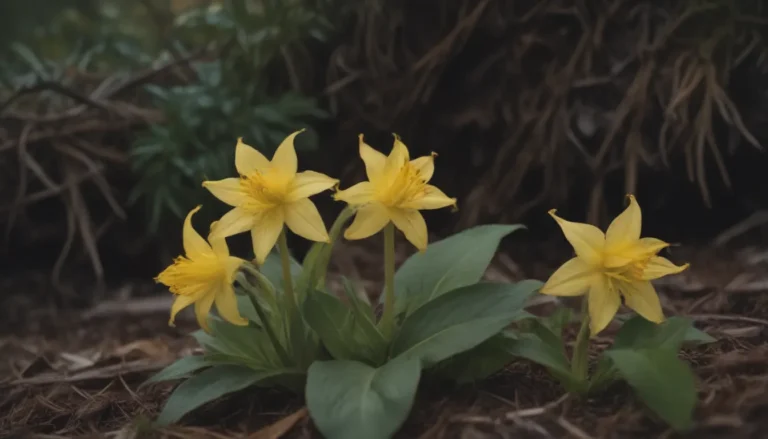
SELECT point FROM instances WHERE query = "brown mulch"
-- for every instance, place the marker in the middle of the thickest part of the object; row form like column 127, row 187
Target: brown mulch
column 77, row 373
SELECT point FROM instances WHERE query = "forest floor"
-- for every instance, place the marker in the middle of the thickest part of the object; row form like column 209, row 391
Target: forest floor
column 77, row 373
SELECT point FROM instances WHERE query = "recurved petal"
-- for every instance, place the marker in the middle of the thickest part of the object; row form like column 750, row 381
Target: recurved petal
column 265, row 231
column 309, row 183
column 203, row 308
column 369, row 220
column 285, row 158
column 433, row 198
column 625, row 228
column 228, row 190
column 218, row 244
column 374, row 160
column 587, row 240
column 573, row 278
column 194, row 244
column 247, row 159
column 425, row 165
column 412, row 224
column 233, row 222
column 304, row 220
column 231, row 265
column 604, row 301
column 226, row 305
column 660, row 267
column 181, row 302
column 360, row 193
column 642, row 297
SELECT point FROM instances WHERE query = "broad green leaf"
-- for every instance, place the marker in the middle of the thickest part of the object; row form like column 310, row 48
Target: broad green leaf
column 480, row 362
column 460, row 320
column 638, row 332
column 247, row 310
column 344, row 333
column 179, row 369
column 351, row 400
column 206, row 386
column 273, row 269
column 250, row 345
column 453, row 262
column 695, row 337
column 532, row 347
column 315, row 263
column 663, row 381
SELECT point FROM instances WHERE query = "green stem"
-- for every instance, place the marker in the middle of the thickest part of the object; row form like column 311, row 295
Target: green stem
column 388, row 318
column 285, row 258
column 579, row 363
column 252, row 292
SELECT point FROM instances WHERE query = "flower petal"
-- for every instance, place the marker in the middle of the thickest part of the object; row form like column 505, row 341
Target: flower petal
column 181, row 302
column 660, row 267
column 433, row 198
column 396, row 159
column 285, row 158
column 625, row 228
column 203, row 308
column 573, row 278
column 194, row 244
column 226, row 305
column 233, row 222
column 425, row 165
column 587, row 240
column 369, row 220
column 228, row 190
column 360, row 193
column 638, row 250
column 309, row 183
column 247, row 159
column 304, row 220
column 266, row 229
column 374, row 160
column 231, row 265
column 642, row 297
column 412, row 224
column 604, row 301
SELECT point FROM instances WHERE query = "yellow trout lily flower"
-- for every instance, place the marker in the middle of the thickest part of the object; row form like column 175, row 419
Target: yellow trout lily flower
column 395, row 191
column 269, row 195
column 611, row 265
column 203, row 277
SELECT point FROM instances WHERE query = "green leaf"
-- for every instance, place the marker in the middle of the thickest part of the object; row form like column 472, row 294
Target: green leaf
column 179, row 369
column 341, row 330
column 663, row 381
column 249, row 346
column 460, row 320
column 550, row 355
column 454, row 262
column 695, row 337
column 273, row 269
column 315, row 263
column 477, row 363
column 638, row 332
column 207, row 386
column 351, row 400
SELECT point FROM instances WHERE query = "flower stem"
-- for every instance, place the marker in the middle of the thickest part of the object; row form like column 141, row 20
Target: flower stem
column 579, row 364
column 388, row 318
column 285, row 258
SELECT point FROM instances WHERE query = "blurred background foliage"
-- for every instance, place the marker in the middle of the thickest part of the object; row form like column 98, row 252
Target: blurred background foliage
column 113, row 111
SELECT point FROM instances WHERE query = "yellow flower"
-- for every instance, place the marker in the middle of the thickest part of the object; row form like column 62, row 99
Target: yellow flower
column 611, row 265
column 203, row 277
column 395, row 191
column 268, row 195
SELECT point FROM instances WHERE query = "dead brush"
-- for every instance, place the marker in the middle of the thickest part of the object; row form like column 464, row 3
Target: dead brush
column 553, row 91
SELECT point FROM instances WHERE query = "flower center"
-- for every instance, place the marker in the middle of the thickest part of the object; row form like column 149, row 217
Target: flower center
column 405, row 185
column 266, row 188
column 631, row 272
column 191, row 278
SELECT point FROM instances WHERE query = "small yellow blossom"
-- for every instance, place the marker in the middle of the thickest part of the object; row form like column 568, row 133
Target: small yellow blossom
column 611, row 265
column 395, row 191
column 269, row 195
column 203, row 277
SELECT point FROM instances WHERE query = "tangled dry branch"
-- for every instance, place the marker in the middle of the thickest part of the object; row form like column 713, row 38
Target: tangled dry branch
column 546, row 92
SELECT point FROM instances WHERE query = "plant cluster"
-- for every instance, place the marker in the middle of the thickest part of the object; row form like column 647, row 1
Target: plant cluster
column 277, row 323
